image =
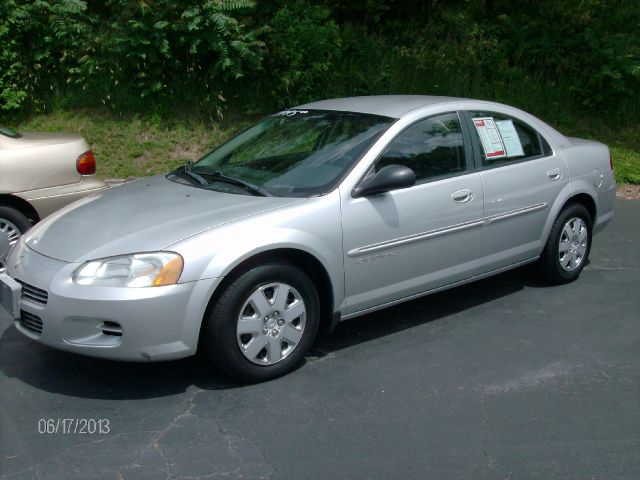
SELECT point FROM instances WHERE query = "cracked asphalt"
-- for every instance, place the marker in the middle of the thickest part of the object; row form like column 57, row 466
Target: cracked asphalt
column 507, row 378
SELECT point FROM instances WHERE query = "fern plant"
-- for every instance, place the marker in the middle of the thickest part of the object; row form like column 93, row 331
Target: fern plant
column 117, row 49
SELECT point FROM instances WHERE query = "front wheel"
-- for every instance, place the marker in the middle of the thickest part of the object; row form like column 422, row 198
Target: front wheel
column 263, row 323
column 567, row 249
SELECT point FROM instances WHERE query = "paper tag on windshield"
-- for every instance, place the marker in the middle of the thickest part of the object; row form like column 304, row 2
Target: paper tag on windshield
column 510, row 138
column 490, row 137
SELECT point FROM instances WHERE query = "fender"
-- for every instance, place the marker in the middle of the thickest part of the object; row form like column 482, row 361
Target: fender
column 228, row 259
column 585, row 185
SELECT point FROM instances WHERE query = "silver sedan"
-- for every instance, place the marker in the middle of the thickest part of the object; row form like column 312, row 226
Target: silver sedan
column 317, row 214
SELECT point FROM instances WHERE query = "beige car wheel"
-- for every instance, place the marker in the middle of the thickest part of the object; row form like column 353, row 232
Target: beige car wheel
column 12, row 225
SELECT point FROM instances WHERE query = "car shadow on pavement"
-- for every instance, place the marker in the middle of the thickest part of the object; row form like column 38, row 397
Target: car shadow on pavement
column 427, row 309
column 73, row 375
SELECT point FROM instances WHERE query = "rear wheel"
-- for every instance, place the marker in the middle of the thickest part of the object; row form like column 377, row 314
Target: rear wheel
column 12, row 225
column 264, row 323
column 568, row 246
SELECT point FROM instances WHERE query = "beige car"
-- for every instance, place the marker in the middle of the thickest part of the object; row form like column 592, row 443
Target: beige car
column 40, row 173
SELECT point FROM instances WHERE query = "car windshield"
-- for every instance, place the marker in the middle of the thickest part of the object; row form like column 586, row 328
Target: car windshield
column 294, row 153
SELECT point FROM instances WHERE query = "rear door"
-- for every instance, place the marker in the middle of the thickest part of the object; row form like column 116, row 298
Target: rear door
column 521, row 176
column 407, row 241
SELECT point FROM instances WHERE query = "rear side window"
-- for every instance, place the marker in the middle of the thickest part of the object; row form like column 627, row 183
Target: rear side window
column 432, row 148
column 505, row 139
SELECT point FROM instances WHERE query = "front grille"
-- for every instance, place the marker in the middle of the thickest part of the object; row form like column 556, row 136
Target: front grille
column 31, row 322
column 33, row 294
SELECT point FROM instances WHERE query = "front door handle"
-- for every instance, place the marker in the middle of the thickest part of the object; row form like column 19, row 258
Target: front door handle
column 554, row 174
column 462, row 196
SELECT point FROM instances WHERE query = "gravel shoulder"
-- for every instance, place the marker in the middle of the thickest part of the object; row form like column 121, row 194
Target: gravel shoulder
column 628, row 192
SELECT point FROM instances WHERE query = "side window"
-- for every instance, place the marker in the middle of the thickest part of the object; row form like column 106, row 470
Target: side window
column 432, row 147
column 505, row 139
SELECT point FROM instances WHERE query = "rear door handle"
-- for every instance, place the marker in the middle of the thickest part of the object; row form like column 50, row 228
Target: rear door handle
column 462, row 196
column 554, row 174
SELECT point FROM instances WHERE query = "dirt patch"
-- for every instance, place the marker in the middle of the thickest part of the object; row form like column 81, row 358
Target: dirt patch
column 191, row 152
column 143, row 164
column 628, row 192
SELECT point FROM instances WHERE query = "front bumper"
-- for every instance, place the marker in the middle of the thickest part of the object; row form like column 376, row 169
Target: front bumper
column 134, row 324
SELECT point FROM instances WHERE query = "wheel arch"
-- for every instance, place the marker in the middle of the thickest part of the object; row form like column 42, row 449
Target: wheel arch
column 587, row 201
column 20, row 204
column 302, row 259
column 571, row 193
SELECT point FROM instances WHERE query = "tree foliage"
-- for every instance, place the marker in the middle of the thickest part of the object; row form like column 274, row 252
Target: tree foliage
column 124, row 48
column 583, row 54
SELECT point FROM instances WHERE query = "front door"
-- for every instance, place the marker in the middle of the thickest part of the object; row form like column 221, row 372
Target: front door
column 404, row 242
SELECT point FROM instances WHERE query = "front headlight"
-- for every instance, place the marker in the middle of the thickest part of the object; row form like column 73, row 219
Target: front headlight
column 136, row 270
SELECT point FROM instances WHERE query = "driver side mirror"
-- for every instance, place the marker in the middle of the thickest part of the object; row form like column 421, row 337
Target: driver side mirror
column 391, row 177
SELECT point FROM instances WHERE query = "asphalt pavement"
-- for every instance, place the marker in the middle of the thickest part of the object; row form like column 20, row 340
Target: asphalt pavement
column 507, row 378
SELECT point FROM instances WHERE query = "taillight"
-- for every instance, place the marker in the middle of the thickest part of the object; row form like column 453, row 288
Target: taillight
column 86, row 163
column 611, row 161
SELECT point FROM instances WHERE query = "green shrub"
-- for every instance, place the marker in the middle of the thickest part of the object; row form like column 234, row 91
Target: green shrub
column 123, row 49
column 42, row 43
column 305, row 47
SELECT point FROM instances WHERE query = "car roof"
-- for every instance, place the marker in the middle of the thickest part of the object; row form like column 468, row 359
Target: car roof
column 387, row 105
column 398, row 106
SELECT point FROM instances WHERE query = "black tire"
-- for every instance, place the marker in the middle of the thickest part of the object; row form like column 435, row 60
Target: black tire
column 549, row 263
column 17, row 219
column 219, row 340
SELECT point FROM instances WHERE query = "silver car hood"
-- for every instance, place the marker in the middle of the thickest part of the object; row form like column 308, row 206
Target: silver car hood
column 141, row 216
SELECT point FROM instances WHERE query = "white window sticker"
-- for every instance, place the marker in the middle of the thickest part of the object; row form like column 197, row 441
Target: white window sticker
column 290, row 113
column 510, row 138
column 490, row 137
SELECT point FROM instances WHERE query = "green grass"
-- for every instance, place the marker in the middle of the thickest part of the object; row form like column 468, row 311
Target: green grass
column 138, row 145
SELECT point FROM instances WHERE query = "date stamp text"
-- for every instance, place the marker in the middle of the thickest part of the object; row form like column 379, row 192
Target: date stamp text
column 74, row 426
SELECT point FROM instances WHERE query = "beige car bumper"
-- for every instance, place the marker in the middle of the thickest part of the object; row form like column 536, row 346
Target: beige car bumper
column 48, row 200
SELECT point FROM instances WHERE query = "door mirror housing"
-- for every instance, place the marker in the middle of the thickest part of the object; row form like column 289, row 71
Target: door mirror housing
column 391, row 177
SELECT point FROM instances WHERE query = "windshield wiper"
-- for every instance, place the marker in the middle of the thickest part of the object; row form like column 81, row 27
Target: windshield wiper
column 187, row 169
column 241, row 183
